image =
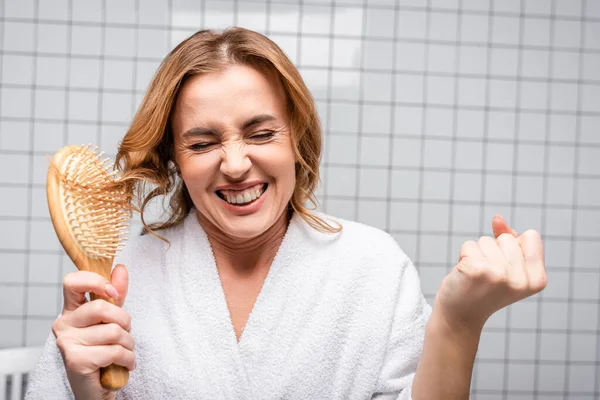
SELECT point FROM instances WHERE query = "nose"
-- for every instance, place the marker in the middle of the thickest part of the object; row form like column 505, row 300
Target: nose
column 235, row 162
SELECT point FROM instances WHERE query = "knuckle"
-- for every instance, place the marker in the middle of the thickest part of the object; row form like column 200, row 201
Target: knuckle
column 114, row 332
column 68, row 280
column 61, row 343
column 99, row 307
column 519, row 285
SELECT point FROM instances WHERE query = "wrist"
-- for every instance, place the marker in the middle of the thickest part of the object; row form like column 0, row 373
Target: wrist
column 454, row 327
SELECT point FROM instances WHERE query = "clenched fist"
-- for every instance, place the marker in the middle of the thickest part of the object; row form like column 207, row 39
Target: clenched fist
column 491, row 274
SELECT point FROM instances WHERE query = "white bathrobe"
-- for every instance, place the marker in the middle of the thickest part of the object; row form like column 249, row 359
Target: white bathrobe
column 340, row 316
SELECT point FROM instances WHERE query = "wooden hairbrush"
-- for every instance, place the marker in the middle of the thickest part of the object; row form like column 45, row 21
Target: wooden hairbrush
column 90, row 211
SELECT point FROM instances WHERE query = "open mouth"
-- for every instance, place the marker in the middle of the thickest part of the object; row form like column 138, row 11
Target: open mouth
column 244, row 197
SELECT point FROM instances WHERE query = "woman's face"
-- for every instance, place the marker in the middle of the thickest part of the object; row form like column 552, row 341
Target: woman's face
column 234, row 150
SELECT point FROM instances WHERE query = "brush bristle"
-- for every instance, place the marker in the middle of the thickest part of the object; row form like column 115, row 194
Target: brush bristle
column 96, row 210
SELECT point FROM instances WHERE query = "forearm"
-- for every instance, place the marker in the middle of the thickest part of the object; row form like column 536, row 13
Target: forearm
column 446, row 364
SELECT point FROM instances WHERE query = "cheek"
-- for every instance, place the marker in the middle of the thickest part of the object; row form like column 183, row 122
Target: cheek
column 197, row 171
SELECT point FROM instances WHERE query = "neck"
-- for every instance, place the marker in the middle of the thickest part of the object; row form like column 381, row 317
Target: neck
column 244, row 255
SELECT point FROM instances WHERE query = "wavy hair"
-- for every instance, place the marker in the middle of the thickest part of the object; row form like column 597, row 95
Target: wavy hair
column 145, row 157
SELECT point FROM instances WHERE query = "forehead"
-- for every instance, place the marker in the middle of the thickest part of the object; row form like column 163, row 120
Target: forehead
column 229, row 95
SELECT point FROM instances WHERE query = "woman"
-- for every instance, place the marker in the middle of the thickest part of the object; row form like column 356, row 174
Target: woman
column 243, row 293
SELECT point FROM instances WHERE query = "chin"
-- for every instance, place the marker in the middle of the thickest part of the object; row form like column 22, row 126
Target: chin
column 246, row 228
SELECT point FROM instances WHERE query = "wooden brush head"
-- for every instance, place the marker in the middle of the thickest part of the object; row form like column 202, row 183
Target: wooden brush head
column 89, row 209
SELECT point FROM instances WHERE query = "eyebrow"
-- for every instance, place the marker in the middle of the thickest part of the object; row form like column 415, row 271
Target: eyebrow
column 256, row 120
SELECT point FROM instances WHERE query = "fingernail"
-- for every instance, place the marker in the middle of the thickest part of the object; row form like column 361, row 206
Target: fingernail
column 111, row 291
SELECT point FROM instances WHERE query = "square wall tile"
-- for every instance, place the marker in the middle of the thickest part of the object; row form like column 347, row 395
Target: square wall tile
column 436, row 185
column 438, row 122
column 345, row 85
column 341, row 208
column 408, row 120
column 380, row 22
column 373, row 183
column 341, row 149
column 521, row 377
column 17, row 69
column 13, row 267
column 38, row 331
column 470, row 123
column 152, row 43
column 376, row 86
column 405, row 184
column 376, row 118
column 437, row 153
column 347, row 53
column 553, row 347
column 12, row 332
column 53, row 38
column 153, row 12
column 523, row 314
column 19, row 36
column 15, row 102
column 410, row 56
column 407, row 152
column 52, row 71
column 467, row 186
column 348, row 20
column 45, row 268
column 252, row 16
column 373, row 213
column 343, row 118
column 85, row 73
column 316, row 19
column 431, row 279
column 341, row 181
column 11, row 298
column 432, row 249
column 468, row 155
column 465, row 218
column 42, row 300
column 498, row 187
column 123, row 11
column 522, row 346
column 551, row 378
column 13, row 202
column 435, row 217
column 14, row 168
column 491, row 345
column 403, row 215
column 374, row 151
column 554, row 315
column 284, row 18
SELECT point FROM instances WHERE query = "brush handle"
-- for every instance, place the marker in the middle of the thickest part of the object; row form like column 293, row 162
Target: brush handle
column 113, row 377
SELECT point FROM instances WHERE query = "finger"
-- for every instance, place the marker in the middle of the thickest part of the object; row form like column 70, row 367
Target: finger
column 533, row 256
column 509, row 246
column 77, row 284
column 98, row 312
column 119, row 278
column 491, row 251
column 105, row 334
column 500, row 226
column 469, row 249
column 92, row 358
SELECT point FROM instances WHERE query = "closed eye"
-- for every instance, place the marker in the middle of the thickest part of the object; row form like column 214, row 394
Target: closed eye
column 201, row 146
column 263, row 136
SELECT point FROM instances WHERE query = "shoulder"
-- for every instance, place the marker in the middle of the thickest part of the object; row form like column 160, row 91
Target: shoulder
column 363, row 244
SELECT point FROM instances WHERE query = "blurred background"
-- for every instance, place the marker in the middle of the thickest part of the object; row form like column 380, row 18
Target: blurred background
column 437, row 115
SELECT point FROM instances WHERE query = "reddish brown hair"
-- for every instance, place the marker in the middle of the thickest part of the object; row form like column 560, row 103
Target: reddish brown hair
column 145, row 155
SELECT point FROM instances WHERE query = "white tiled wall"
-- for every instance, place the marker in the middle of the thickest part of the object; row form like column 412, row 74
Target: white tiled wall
column 438, row 114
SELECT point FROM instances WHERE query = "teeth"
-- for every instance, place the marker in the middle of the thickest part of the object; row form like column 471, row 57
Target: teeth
column 244, row 197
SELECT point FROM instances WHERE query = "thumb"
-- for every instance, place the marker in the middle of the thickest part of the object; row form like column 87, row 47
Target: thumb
column 119, row 278
column 499, row 226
